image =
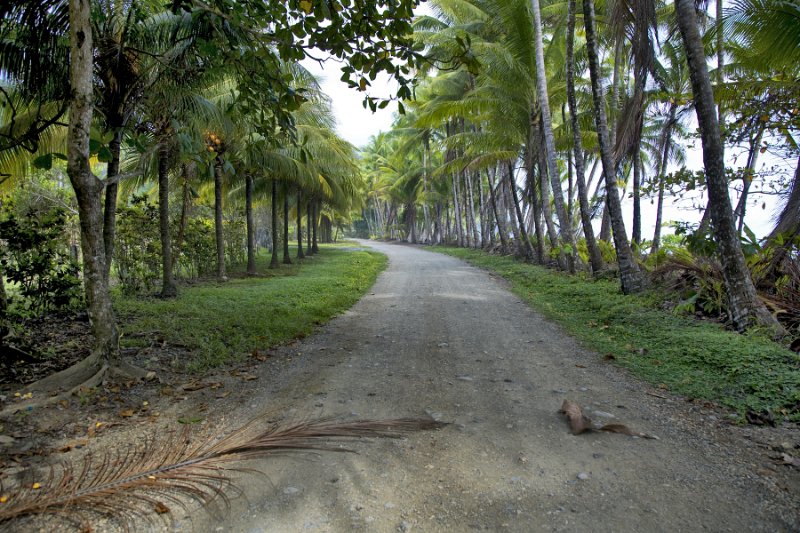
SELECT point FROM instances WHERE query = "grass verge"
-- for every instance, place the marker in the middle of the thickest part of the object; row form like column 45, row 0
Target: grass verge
column 694, row 358
column 224, row 322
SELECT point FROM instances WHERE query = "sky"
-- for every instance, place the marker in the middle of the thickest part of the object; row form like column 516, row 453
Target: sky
column 357, row 124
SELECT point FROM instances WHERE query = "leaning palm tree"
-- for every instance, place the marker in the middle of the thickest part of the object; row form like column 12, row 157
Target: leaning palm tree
column 746, row 309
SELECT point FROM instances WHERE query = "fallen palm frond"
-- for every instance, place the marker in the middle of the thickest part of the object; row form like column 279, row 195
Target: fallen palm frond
column 133, row 485
column 580, row 423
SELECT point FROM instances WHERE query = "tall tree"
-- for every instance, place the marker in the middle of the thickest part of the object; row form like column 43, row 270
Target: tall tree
column 746, row 308
column 631, row 277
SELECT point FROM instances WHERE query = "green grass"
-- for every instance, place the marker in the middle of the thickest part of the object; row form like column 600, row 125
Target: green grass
column 225, row 322
column 694, row 358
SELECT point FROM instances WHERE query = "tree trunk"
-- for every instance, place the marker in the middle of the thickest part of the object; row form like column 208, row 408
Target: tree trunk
column 88, row 192
column 745, row 307
column 636, row 235
column 110, row 211
column 595, row 257
column 665, row 144
column 300, row 254
column 189, row 172
column 219, row 235
column 249, row 185
column 527, row 250
column 536, row 206
column 168, row 287
column 314, row 224
column 501, row 230
column 564, row 220
column 630, row 275
column 457, row 212
column 287, row 260
column 747, row 179
column 476, row 240
column 309, row 224
column 544, row 183
column 274, row 260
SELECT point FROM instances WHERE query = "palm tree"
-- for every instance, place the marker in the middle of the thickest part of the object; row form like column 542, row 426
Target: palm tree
column 746, row 309
column 631, row 277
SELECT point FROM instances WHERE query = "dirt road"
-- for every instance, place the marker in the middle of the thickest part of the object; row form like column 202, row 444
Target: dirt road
column 439, row 337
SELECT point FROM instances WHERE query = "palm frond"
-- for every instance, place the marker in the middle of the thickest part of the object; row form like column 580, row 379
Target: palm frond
column 133, row 485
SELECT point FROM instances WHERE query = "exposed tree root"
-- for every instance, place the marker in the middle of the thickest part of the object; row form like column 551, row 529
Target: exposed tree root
column 86, row 374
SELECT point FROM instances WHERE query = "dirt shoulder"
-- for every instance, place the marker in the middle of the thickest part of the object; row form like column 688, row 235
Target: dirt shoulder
column 437, row 337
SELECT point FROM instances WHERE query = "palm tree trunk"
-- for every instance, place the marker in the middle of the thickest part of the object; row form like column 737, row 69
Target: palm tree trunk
column 595, row 257
column 110, row 211
column 314, row 224
column 564, row 220
column 300, row 254
column 636, row 235
column 527, row 250
column 747, row 179
column 189, row 172
column 533, row 187
column 220, row 238
column 471, row 211
column 287, row 260
column 168, row 288
column 493, row 199
column 273, row 263
column 665, row 144
column 251, row 226
column 631, row 277
column 309, row 224
column 457, row 212
column 547, row 213
column 745, row 307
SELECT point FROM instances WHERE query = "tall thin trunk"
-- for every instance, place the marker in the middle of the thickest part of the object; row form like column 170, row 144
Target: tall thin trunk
column 631, row 277
column 746, row 309
column 595, row 257
column 544, row 183
column 189, row 173
column 457, row 212
column 309, row 224
column 219, row 235
column 251, row 226
column 665, row 144
column 527, row 250
column 300, row 254
column 720, row 38
column 487, row 238
column 314, row 224
column 531, row 151
column 747, row 179
column 274, row 262
column 168, row 287
column 110, row 210
column 508, row 215
column 492, row 198
column 287, row 260
column 564, row 220
column 476, row 240
column 636, row 235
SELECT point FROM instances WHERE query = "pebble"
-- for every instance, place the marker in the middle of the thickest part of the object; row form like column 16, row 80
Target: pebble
column 291, row 491
column 465, row 378
column 603, row 414
column 442, row 345
column 583, row 476
column 404, row 527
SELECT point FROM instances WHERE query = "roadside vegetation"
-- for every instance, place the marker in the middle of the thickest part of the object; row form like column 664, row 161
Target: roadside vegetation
column 696, row 358
column 220, row 323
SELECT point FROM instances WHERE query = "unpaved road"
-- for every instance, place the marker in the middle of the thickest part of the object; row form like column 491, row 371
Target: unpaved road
column 437, row 336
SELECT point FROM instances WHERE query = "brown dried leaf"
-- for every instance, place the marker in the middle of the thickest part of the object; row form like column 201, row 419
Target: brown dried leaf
column 160, row 508
column 127, row 413
column 193, row 386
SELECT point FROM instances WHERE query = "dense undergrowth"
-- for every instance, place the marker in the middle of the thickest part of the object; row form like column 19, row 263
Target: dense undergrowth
column 695, row 358
column 217, row 323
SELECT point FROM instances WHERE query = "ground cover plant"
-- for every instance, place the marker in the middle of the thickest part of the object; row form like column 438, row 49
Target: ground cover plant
column 698, row 359
column 217, row 323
